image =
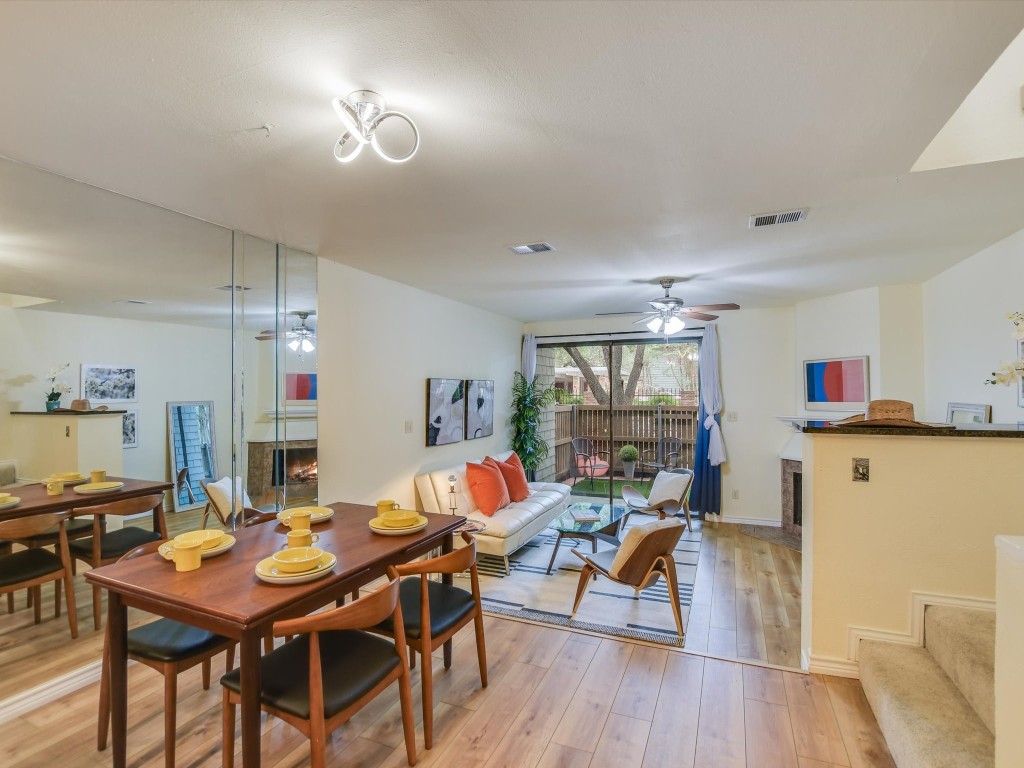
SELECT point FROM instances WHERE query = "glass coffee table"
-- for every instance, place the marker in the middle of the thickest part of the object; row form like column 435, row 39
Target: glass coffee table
column 605, row 528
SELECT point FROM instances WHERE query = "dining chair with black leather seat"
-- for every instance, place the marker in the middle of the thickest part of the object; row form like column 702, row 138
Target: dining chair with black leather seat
column 170, row 648
column 105, row 547
column 31, row 568
column 443, row 609
column 345, row 668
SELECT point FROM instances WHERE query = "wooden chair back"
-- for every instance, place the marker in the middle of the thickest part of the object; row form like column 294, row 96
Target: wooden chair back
column 153, row 503
column 462, row 559
column 368, row 611
column 657, row 543
column 23, row 527
column 143, row 549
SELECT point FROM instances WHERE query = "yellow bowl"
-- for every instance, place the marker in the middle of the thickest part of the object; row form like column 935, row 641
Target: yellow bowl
column 4, row 497
column 398, row 518
column 66, row 475
column 297, row 559
column 208, row 539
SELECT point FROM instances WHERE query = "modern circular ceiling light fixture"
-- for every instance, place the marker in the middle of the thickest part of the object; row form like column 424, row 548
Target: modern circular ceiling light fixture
column 361, row 113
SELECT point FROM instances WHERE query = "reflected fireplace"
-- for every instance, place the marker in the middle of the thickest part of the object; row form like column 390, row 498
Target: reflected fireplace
column 792, row 496
column 294, row 465
column 277, row 473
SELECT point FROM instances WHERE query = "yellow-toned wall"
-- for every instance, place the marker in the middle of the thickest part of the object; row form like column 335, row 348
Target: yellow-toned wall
column 926, row 521
column 1009, row 652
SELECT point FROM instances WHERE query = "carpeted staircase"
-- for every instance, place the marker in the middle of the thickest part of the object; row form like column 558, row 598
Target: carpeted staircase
column 936, row 704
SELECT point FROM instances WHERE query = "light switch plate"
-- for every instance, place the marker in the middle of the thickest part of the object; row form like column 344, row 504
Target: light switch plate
column 408, row 427
column 861, row 470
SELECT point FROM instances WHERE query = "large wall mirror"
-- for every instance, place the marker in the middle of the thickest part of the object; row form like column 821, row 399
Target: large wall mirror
column 205, row 317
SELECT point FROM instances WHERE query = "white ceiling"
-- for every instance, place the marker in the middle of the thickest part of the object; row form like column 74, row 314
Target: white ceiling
column 637, row 137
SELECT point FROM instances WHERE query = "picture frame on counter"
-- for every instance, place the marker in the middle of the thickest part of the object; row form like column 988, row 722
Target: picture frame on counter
column 968, row 413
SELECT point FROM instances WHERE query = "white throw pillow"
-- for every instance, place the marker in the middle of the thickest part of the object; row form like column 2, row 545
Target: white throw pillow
column 669, row 486
column 220, row 495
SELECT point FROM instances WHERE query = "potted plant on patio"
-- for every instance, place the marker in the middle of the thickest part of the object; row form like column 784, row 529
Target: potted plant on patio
column 629, row 455
column 528, row 400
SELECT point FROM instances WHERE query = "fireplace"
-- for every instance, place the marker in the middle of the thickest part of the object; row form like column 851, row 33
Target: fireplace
column 792, row 496
column 281, row 471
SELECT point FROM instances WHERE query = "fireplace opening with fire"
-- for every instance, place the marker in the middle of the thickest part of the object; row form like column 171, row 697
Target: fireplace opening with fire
column 294, row 465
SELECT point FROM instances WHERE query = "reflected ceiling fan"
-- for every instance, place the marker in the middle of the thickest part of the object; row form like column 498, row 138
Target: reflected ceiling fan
column 668, row 314
column 301, row 338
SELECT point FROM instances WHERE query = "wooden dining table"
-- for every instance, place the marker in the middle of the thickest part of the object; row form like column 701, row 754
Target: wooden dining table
column 35, row 500
column 225, row 596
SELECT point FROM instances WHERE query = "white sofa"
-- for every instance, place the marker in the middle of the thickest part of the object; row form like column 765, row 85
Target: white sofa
column 509, row 528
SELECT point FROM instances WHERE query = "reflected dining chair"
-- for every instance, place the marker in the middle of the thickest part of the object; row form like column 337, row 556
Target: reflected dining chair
column 230, row 505
column 644, row 556
column 669, row 494
column 331, row 671
column 105, row 547
column 443, row 609
column 587, row 461
column 31, row 568
column 170, row 648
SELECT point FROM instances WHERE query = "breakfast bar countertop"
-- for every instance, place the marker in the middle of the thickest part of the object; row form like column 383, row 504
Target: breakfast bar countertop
column 821, row 427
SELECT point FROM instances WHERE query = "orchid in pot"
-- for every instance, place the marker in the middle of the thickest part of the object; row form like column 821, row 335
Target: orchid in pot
column 57, row 388
column 1012, row 373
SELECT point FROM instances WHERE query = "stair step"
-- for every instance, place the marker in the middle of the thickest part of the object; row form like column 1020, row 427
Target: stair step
column 926, row 721
column 963, row 643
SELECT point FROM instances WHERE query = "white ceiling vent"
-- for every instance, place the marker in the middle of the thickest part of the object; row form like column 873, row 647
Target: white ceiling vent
column 522, row 250
column 779, row 217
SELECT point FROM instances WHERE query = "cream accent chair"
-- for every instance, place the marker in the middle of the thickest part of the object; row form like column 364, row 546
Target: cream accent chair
column 645, row 554
column 219, row 495
column 669, row 494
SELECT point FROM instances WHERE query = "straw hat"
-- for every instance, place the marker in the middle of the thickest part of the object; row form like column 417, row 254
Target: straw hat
column 85, row 405
column 885, row 413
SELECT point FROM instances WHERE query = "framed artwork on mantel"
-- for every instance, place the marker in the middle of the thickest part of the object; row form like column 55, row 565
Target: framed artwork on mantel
column 836, row 384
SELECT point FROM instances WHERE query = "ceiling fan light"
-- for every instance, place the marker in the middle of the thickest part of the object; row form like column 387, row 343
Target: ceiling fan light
column 654, row 325
column 307, row 345
column 674, row 325
column 293, row 345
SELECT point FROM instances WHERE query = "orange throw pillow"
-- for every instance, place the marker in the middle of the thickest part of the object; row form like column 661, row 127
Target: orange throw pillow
column 487, row 486
column 515, row 477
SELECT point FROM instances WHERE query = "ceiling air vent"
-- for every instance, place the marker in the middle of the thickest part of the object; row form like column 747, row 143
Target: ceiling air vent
column 779, row 217
column 522, row 250
column 135, row 301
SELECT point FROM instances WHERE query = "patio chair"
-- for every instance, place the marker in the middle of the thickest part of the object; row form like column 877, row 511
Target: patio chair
column 664, row 456
column 645, row 554
column 669, row 494
column 587, row 461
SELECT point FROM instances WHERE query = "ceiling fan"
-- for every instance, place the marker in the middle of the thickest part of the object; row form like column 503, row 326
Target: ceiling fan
column 668, row 314
column 300, row 337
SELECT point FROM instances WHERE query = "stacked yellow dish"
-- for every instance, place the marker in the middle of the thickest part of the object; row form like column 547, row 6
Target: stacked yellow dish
column 68, row 478
column 213, row 543
column 110, row 485
column 295, row 565
column 398, row 522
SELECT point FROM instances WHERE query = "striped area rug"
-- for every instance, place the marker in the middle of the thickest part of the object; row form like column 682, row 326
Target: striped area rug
column 609, row 608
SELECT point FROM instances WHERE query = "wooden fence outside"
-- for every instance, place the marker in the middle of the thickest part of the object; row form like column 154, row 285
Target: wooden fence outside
column 639, row 425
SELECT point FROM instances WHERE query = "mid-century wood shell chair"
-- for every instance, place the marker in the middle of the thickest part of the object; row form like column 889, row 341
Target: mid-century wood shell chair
column 443, row 609
column 669, row 494
column 345, row 668
column 645, row 554
column 231, row 506
column 170, row 648
column 587, row 461
column 104, row 547
column 31, row 568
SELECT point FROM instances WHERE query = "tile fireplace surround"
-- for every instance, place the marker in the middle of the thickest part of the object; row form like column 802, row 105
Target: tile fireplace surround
column 260, row 481
column 792, row 496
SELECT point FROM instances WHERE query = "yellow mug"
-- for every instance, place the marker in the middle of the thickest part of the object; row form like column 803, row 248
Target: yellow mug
column 302, row 537
column 386, row 505
column 55, row 488
column 299, row 521
column 188, row 555
column 98, row 475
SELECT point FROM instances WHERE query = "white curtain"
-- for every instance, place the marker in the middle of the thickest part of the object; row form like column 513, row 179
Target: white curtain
column 529, row 356
column 711, row 394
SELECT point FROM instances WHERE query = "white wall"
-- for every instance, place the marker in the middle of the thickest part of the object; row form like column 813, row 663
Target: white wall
column 968, row 335
column 374, row 361
column 174, row 362
column 758, row 380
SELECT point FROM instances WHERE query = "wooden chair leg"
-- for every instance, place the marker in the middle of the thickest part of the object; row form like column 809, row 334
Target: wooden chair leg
column 206, row 674
column 56, row 598
column 170, row 712
column 37, row 603
column 581, row 588
column 104, row 717
column 686, row 512
column 317, row 743
column 227, row 745
column 673, row 592
column 69, row 595
column 229, row 661
column 268, row 644
column 96, row 599
column 412, row 658
column 408, row 719
column 481, row 650
column 427, row 689
column 10, row 602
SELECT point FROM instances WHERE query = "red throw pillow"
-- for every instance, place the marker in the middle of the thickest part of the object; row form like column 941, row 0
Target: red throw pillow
column 515, row 477
column 487, row 486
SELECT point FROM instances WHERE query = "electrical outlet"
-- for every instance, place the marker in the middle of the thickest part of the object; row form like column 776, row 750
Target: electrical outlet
column 732, row 416
column 861, row 471
column 735, row 494
column 408, row 427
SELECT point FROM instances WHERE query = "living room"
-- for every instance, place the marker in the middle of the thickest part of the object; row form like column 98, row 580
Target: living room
column 915, row 270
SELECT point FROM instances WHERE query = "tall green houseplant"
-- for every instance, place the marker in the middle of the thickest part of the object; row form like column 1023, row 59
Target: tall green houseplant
column 528, row 400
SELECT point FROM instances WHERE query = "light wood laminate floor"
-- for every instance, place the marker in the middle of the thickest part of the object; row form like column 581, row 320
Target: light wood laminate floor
column 556, row 698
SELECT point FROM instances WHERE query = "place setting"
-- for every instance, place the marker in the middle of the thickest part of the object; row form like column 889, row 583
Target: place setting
column 392, row 521
column 187, row 550
column 98, row 483
column 8, row 500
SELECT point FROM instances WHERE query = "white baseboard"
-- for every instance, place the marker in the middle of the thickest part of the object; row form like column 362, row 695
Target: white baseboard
column 50, row 691
column 829, row 665
column 745, row 520
column 919, row 602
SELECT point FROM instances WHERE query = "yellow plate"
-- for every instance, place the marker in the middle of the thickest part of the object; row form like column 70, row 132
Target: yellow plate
column 11, row 501
column 166, row 549
column 110, row 485
column 65, row 480
column 268, row 572
column 316, row 514
column 385, row 530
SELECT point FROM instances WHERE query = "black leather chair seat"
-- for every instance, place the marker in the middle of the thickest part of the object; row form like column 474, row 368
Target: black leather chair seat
column 169, row 640
column 448, row 605
column 73, row 526
column 26, row 565
column 352, row 662
column 115, row 543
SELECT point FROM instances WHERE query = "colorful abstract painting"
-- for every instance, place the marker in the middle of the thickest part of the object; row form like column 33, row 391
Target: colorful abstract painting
column 446, row 405
column 300, row 387
column 479, row 408
column 837, row 384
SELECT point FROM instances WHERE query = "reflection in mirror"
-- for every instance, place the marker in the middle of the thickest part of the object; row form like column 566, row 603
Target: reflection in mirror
column 193, row 449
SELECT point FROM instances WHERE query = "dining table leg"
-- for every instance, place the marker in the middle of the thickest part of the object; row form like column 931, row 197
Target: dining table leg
column 250, row 698
column 117, row 628
column 447, row 546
